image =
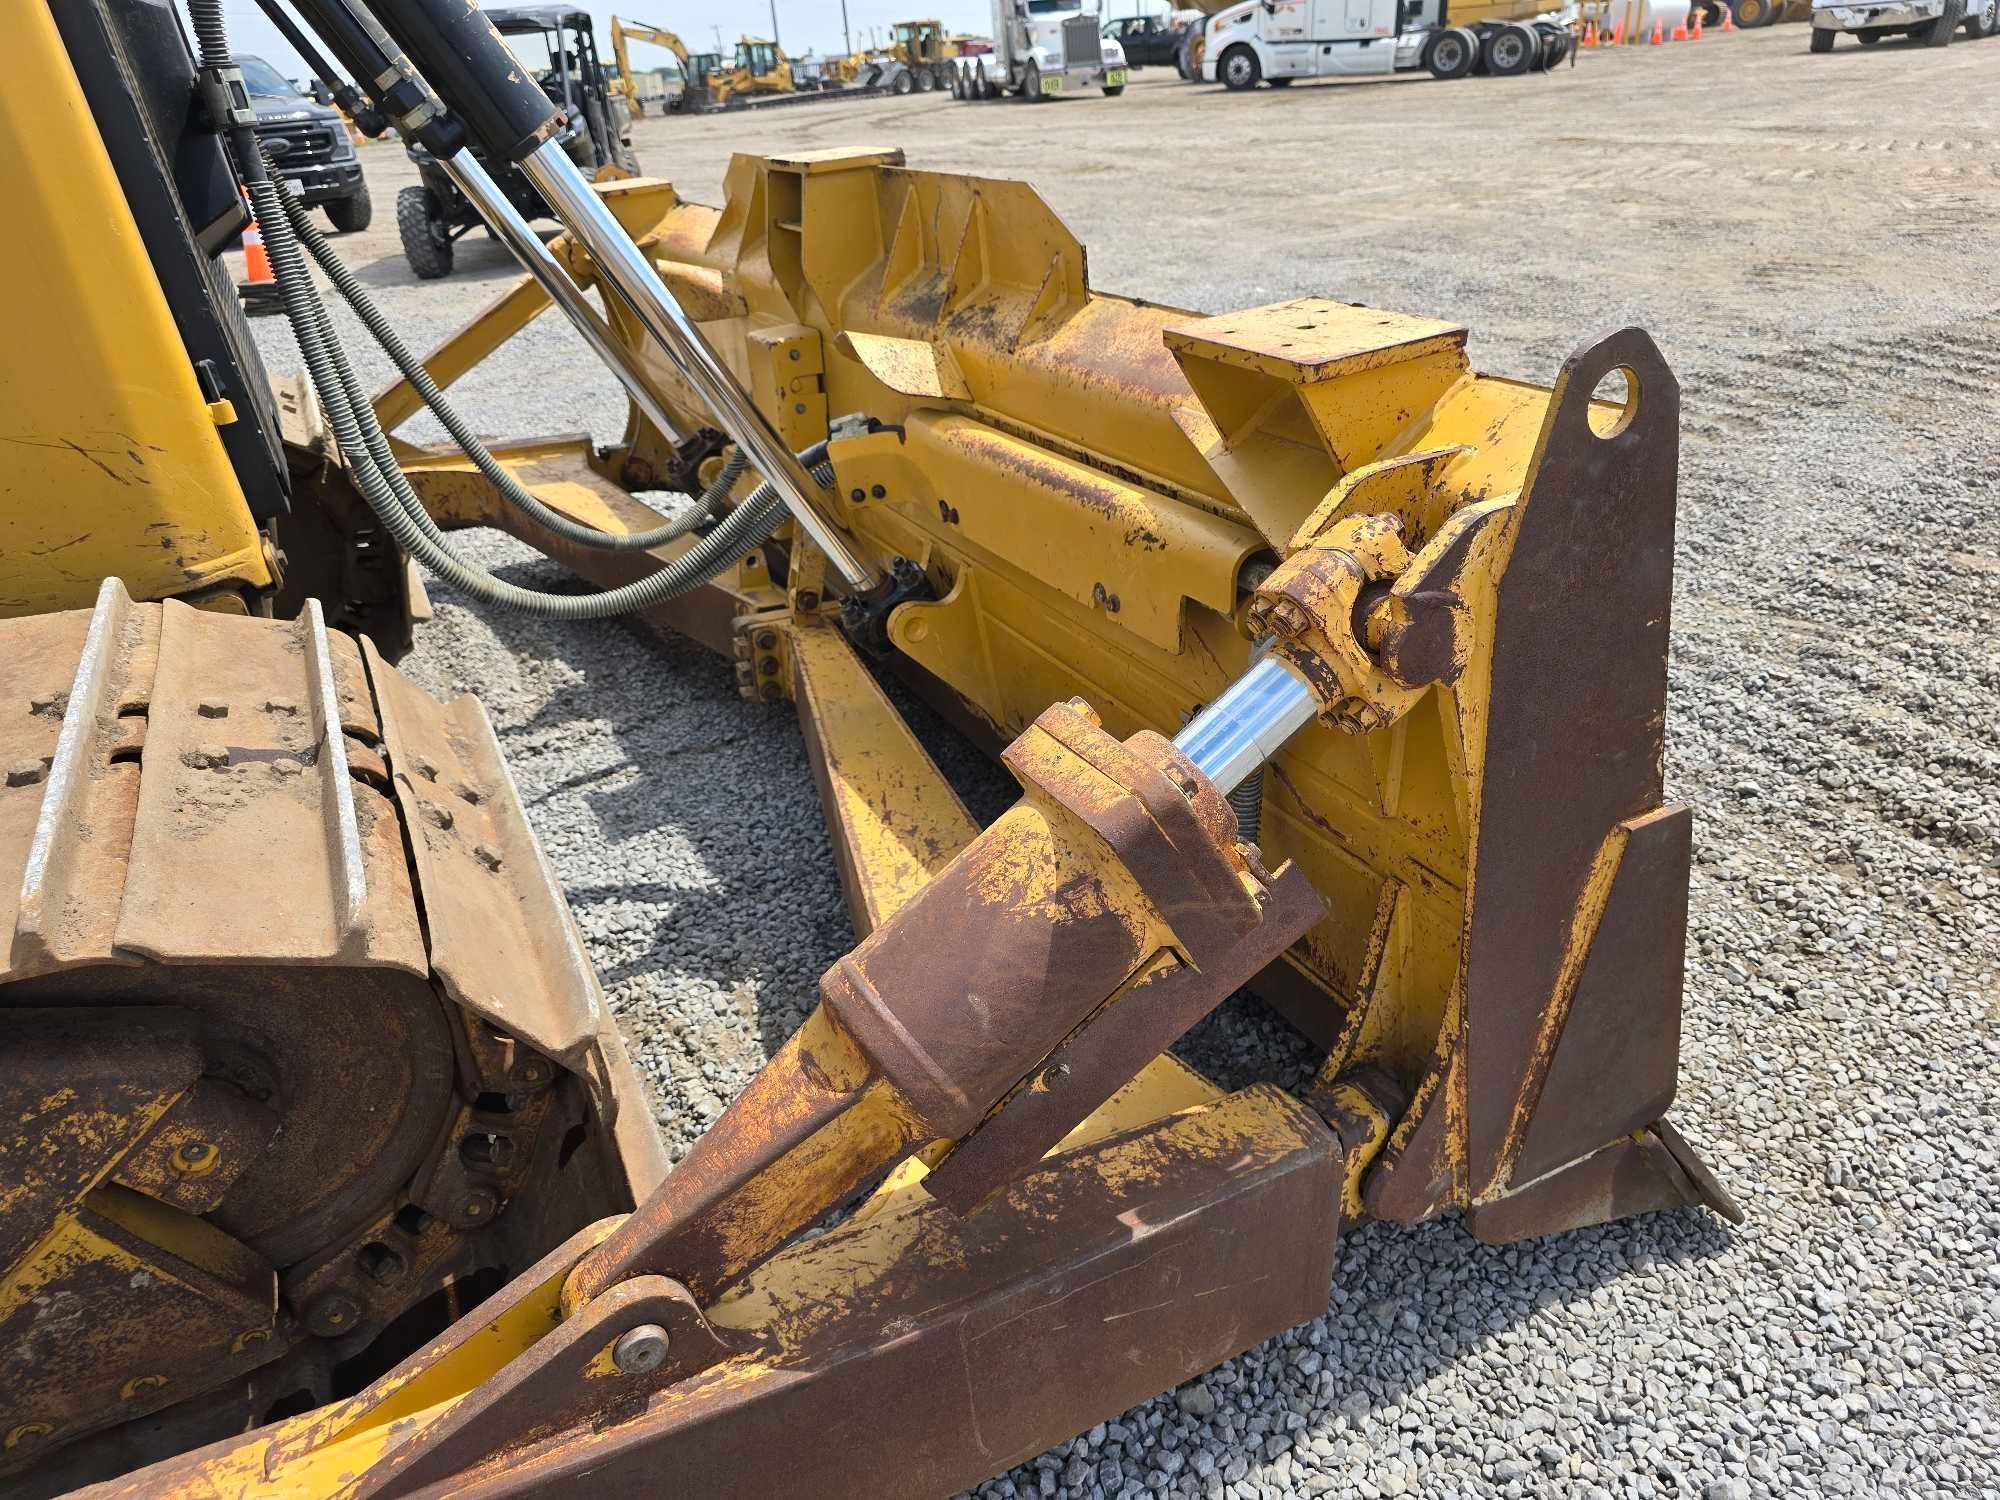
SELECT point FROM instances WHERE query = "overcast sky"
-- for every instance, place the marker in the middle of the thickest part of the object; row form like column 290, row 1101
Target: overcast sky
column 803, row 25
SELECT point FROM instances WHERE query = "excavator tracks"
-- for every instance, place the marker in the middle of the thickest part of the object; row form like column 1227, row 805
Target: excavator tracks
column 305, row 1056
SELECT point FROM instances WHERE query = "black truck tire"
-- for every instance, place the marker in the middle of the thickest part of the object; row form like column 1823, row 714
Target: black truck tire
column 1822, row 39
column 429, row 252
column 1941, row 29
column 1451, row 53
column 1510, row 49
column 352, row 214
column 1239, row 69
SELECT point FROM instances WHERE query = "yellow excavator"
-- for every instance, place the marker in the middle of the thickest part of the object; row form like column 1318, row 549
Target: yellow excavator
column 324, row 1169
column 698, row 70
column 757, row 70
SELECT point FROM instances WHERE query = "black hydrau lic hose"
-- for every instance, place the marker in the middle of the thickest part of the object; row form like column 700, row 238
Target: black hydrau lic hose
column 366, row 450
column 511, row 490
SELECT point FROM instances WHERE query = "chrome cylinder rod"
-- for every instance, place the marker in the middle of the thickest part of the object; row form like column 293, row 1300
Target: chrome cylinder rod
column 1247, row 724
column 627, row 272
column 493, row 205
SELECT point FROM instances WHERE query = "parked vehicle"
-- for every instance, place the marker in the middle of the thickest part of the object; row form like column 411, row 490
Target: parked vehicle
column 924, row 55
column 1042, row 48
column 1148, row 41
column 1932, row 20
column 433, row 217
column 309, row 147
column 1279, row 41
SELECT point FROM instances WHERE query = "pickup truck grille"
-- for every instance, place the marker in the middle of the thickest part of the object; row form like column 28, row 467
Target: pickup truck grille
column 1081, row 43
column 301, row 144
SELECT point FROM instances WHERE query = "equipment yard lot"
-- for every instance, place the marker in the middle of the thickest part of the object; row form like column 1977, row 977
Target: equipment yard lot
column 1813, row 242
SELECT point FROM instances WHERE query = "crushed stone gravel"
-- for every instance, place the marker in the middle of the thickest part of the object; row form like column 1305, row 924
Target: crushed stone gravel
column 1817, row 259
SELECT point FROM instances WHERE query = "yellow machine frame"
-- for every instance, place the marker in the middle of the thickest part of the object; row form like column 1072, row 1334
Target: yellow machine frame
column 109, row 418
column 1086, row 483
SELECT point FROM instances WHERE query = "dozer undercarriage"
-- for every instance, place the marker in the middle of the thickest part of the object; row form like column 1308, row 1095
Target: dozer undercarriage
column 1329, row 668
column 303, row 1050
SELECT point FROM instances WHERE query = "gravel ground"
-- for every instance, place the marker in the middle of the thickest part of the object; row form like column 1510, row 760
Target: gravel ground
column 1812, row 241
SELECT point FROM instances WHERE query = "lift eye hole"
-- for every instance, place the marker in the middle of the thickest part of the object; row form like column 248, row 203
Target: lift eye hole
column 1615, row 402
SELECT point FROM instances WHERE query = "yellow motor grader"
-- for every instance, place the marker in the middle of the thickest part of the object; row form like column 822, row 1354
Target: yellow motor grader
column 1329, row 667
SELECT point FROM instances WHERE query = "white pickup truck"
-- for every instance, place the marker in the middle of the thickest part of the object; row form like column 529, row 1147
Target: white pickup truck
column 1277, row 41
column 1933, row 20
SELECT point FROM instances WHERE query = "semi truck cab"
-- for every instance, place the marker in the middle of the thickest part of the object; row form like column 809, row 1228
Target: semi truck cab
column 1050, row 47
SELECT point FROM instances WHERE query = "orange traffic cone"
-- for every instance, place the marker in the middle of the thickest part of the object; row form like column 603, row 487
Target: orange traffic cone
column 1681, row 32
column 1658, row 36
column 259, row 288
column 1590, row 33
column 1694, row 32
column 1728, row 19
column 256, row 261
column 1618, row 35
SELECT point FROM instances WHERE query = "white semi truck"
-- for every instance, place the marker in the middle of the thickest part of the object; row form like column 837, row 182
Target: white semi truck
column 1932, row 20
column 1277, row 41
column 1041, row 49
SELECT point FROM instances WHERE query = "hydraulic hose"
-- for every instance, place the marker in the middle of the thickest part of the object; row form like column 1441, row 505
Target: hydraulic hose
column 511, row 490
column 360, row 438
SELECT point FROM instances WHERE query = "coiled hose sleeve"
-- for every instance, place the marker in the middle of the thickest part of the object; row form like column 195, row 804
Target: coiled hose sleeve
column 511, row 490
column 387, row 492
column 366, row 450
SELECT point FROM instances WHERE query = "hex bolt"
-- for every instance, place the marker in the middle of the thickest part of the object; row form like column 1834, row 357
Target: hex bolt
column 857, row 494
column 474, row 1209
column 25, row 773
column 808, row 599
column 641, row 1350
column 877, row 491
column 767, row 640
column 530, row 1069
column 333, row 1314
column 792, row 353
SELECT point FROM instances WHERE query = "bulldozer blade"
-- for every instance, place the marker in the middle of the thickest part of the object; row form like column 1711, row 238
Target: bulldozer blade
column 1077, row 494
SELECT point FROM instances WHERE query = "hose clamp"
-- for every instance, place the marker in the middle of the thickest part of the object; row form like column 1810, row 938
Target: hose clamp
column 227, row 100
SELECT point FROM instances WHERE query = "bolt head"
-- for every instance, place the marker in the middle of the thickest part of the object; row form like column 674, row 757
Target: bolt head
column 475, row 1209
column 195, row 1158
column 333, row 1314
column 641, row 1350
